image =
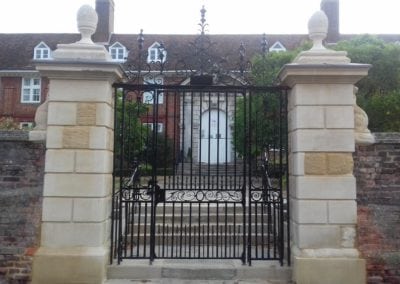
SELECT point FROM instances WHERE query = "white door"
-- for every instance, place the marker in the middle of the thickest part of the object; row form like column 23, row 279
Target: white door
column 214, row 138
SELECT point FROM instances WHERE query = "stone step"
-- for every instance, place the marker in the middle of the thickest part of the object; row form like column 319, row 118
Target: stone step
column 200, row 271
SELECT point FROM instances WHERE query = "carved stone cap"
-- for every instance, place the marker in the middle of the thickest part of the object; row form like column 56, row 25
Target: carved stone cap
column 319, row 54
column 85, row 49
column 87, row 23
column 318, row 29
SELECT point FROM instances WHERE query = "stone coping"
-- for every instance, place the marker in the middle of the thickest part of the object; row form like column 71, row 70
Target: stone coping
column 14, row 135
column 387, row 137
column 22, row 135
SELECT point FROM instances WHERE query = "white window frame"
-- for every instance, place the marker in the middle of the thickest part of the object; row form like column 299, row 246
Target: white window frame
column 42, row 52
column 277, row 47
column 31, row 90
column 160, row 126
column 26, row 125
column 118, row 52
column 153, row 53
column 148, row 97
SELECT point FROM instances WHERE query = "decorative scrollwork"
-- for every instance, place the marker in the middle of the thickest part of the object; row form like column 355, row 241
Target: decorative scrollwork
column 135, row 194
column 197, row 58
column 204, row 195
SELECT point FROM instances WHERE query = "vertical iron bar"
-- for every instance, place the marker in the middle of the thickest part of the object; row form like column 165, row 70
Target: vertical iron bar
column 138, row 230
column 191, row 141
column 285, row 94
column 121, row 163
column 250, row 160
column 190, row 229
column 173, row 229
column 245, row 191
column 181, row 231
column 113, row 221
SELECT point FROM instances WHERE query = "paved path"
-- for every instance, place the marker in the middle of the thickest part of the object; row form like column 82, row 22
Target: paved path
column 181, row 281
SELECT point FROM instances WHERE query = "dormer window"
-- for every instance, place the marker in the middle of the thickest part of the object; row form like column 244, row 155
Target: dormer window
column 156, row 53
column 118, row 52
column 277, row 47
column 42, row 51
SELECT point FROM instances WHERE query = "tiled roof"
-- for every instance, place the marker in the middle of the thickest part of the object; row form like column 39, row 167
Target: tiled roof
column 16, row 50
column 181, row 46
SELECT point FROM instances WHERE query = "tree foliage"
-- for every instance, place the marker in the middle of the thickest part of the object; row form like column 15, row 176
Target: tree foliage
column 384, row 76
column 261, row 112
column 379, row 92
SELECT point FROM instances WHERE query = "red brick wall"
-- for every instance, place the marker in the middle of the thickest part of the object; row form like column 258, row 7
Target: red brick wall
column 377, row 169
column 21, row 190
column 10, row 99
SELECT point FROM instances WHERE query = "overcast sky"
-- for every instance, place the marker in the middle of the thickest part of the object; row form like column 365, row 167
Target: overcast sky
column 182, row 16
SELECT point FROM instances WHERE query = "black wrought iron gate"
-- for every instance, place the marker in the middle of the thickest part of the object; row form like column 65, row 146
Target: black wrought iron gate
column 200, row 172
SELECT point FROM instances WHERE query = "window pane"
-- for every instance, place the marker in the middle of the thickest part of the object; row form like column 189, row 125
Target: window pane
column 26, row 82
column 36, row 82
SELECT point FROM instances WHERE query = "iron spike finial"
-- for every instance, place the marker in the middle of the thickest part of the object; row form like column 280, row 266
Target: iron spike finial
column 203, row 19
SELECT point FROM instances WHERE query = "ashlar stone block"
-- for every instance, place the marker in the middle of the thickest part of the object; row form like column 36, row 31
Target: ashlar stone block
column 322, row 95
column 324, row 187
column 342, row 211
column 57, row 209
column 104, row 115
column 61, row 161
column 61, row 113
column 317, row 236
column 315, row 164
column 328, row 163
column 339, row 163
column 307, row 117
column 76, row 137
column 322, row 140
column 86, row 114
column 55, row 234
column 81, row 91
column 54, row 137
column 77, row 185
column 90, row 209
column 94, row 161
column 296, row 163
column 100, row 138
column 339, row 117
column 309, row 211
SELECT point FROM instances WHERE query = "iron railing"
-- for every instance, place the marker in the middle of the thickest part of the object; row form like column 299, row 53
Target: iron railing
column 191, row 178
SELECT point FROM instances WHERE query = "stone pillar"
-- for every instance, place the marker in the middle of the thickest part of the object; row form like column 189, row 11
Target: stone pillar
column 78, row 168
column 322, row 139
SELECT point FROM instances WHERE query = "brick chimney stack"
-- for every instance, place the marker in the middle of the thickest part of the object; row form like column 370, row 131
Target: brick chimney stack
column 105, row 26
column 331, row 9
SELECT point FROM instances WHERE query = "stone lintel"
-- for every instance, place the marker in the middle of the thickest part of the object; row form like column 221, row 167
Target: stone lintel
column 294, row 73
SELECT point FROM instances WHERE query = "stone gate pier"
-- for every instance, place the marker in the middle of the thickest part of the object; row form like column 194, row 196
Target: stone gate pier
column 78, row 169
column 321, row 142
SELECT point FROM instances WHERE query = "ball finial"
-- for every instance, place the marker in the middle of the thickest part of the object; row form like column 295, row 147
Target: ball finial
column 318, row 29
column 87, row 23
